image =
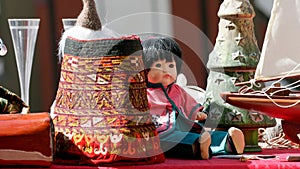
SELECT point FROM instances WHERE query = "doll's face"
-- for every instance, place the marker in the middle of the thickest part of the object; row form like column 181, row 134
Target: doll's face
column 162, row 72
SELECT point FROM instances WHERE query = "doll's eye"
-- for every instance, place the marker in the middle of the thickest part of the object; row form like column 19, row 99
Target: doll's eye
column 171, row 66
column 158, row 65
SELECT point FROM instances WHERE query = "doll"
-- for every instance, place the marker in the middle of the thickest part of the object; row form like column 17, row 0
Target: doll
column 175, row 112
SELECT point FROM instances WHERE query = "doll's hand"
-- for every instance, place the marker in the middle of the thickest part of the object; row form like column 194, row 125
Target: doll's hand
column 200, row 116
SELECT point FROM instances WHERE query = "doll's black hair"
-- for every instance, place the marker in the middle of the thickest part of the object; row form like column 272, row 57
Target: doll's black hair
column 157, row 48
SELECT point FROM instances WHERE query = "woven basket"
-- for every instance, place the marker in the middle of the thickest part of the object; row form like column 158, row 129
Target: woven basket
column 101, row 114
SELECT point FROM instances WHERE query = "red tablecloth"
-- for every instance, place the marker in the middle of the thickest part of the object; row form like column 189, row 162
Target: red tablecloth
column 215, row 163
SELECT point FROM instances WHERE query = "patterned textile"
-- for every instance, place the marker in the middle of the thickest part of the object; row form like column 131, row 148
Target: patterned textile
column 101, row 114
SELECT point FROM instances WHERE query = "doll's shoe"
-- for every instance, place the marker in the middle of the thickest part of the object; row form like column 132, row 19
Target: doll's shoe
column 205, row 141
column 237, row 138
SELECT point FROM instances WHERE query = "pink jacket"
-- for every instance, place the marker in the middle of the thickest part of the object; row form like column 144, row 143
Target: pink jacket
column 161, row 108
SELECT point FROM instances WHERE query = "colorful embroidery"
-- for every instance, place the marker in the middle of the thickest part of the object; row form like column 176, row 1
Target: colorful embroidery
column 101, row 110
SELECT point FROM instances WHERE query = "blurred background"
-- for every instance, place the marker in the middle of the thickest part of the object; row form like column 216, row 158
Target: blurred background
column 193, row 23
